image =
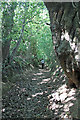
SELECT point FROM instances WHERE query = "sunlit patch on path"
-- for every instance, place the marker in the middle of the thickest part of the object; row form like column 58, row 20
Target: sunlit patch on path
column 29, row 97
column 38, row 94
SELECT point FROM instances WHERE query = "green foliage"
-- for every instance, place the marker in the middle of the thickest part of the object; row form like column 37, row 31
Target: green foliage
column 36, row 41
column 37, row 35
column 7, row 19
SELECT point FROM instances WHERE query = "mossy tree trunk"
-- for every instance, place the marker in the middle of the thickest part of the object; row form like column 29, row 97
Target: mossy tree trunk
column 59, row 25
column 64, row 18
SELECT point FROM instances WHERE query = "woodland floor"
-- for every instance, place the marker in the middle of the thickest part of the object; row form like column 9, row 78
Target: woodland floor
column 37, row 94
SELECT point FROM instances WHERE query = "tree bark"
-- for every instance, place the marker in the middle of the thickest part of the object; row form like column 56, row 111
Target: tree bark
column 8, row 14
column 19, row 41
column 55, row 26
column 73, row 74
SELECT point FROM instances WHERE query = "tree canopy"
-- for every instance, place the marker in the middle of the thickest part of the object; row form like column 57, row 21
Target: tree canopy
column 32, row 31
column 26, row 34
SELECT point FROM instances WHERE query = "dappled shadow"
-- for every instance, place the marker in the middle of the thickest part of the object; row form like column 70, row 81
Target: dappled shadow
column 39, row 94
column 28, row 98
column 62, row 98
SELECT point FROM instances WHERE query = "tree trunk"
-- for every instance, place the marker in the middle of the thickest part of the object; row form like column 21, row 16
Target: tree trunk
column 7, row 25
column 18, row 43
column 73, row 74
column 66, row 59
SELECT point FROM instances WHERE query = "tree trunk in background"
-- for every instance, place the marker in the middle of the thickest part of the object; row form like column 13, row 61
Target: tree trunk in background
column 18, row 43
column 62, row 49
column 7, row 25
column 5, row 50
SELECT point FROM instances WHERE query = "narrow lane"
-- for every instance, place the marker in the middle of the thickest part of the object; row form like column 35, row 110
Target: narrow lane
column 29, row 97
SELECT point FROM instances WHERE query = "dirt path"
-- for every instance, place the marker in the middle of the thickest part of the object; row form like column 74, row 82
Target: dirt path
column 28, row 98
column 38, row 95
